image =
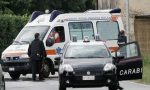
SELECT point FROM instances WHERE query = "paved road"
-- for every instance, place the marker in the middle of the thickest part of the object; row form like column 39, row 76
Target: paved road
column 51, row 83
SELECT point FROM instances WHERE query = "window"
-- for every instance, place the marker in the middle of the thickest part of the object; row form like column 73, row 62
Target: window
column 57, row 34
column 129, row 50
column 87, row 51
column 81, row 29
column 27, row 33
column 108, row 30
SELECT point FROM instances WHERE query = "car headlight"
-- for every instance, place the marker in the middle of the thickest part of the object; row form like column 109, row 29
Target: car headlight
column 109, row 67
column 66, row 67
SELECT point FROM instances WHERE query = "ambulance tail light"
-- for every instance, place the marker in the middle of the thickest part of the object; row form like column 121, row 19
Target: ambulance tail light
column 114, row 18
column 113, row 49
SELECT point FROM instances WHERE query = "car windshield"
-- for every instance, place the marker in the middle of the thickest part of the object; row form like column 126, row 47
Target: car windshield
column 27, row 33
column 87, row 51
column 108, row 30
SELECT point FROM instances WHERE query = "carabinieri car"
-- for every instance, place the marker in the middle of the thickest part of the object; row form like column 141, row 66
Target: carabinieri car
column 90, row 64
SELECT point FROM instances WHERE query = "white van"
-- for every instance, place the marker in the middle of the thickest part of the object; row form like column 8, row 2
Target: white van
column 106, row 23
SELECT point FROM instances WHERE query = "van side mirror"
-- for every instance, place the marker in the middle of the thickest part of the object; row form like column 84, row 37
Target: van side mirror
column 49, row 42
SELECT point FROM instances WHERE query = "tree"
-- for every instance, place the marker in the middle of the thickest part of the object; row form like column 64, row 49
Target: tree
column 3, row 6
column 19, row 7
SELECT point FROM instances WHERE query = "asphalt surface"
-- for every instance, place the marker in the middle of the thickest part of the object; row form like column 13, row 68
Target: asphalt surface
column 51, row 83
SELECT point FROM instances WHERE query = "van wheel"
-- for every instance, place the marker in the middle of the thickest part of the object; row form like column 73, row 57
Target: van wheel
column 2, row 84
column 14, row 75
column 46, row 70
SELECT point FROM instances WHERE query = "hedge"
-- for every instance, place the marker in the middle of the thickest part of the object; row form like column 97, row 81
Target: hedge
column 10, row 25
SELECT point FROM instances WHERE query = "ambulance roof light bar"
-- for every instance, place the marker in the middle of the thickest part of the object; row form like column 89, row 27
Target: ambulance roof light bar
column 115, row 10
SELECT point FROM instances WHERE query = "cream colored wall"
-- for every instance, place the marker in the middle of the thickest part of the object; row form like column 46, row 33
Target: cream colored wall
column 139, row 7
column 136, row 8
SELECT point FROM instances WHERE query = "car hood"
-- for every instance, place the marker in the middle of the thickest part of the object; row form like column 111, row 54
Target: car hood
column 75, row 63
column 16, row 50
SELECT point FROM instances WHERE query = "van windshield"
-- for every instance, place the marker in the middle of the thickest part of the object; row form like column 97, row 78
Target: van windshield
column 108, row 30
column 27, row 33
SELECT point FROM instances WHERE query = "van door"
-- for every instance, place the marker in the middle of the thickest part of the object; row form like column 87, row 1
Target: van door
column 129, row 65
column 57, row 36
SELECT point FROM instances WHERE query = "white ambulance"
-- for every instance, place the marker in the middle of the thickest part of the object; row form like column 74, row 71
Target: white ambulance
column 106, row 23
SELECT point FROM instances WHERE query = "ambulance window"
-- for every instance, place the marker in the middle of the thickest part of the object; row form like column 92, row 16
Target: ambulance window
column 58, row 34
column 27, row 33
column 108, row 30
column 81, row 29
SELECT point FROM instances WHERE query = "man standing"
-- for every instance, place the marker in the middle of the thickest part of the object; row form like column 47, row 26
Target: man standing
column 37, row 53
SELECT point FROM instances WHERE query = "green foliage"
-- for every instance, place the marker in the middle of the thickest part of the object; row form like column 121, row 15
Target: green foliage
column 21, row 7
column 10, row 26
column 146, row 67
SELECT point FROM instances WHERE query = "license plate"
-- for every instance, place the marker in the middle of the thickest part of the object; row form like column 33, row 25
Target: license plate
column 11, row 69
column 88, row 77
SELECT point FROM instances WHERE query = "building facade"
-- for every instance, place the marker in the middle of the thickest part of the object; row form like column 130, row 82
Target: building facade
column 139, row 19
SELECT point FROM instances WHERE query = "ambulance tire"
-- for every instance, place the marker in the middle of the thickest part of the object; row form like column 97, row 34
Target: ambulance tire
column 46, row 70
column 14, row 75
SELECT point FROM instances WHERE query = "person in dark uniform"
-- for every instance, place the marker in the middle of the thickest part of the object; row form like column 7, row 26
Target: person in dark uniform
column 122, row 39
column 37, row 53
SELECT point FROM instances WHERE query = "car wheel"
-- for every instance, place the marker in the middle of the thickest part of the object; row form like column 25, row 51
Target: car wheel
column 14, row 75
column 2, row 84
column 46, row 70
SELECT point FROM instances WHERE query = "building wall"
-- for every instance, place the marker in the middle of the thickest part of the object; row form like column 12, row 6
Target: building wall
column 136, row 8
column 139, row 27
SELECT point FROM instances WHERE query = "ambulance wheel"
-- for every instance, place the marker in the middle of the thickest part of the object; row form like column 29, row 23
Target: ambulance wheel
column 14, row 75
column 46, row 70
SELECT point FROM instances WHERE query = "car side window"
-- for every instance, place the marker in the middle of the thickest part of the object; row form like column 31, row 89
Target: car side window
column 57, row 34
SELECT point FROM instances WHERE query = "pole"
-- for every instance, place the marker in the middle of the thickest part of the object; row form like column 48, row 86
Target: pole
column 127, row 19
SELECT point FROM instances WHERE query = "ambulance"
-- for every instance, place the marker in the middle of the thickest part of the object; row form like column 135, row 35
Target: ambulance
column 106, row 23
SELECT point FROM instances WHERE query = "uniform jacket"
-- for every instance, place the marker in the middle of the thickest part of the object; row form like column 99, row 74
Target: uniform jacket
column 36, row 50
